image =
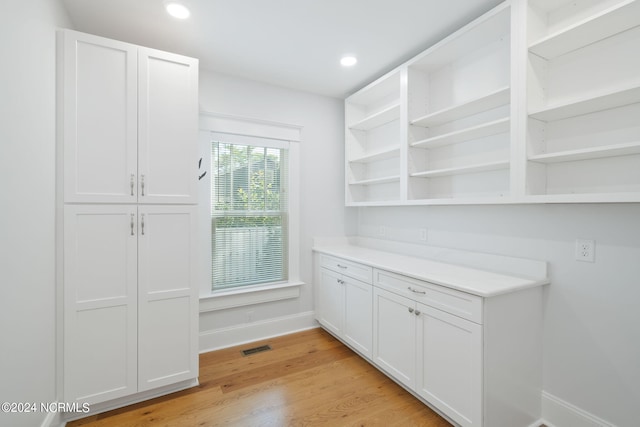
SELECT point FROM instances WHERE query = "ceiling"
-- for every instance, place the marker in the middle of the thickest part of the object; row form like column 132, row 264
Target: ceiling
column 291, row 43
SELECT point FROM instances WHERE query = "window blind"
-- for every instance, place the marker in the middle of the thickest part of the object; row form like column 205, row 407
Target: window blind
column 248, row 214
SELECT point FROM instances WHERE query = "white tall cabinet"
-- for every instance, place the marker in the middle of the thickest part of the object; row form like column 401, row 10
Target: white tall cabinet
column 127, row 176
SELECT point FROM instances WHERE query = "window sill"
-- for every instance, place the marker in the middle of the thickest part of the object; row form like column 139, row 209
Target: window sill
column 222, row 300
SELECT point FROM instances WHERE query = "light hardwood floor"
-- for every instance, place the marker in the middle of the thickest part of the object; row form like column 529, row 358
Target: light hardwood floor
column 307, row 379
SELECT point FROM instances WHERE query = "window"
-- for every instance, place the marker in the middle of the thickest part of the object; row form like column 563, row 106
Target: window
column 249, row 213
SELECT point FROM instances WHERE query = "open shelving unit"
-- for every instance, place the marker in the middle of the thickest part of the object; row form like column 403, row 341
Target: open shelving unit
column 372, row 143
column 583, row 96
column 533, row 102
column 459, row 116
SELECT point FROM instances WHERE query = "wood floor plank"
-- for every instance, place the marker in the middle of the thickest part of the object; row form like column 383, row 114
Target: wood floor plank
column 307, row 379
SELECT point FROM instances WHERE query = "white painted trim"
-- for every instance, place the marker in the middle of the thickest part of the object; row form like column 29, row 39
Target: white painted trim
column 53, row 419
column 99, row 408
column 248, row 296
column 557, row 412
column 239, row 125
column 217, row 339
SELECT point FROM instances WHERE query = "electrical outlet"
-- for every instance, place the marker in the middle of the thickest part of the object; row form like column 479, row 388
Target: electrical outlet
column 585, row 250
column 382, row 231
column 423, row 234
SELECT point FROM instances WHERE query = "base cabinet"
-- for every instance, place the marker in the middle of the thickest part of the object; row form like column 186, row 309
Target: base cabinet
column 474, row 359
column 345, row 303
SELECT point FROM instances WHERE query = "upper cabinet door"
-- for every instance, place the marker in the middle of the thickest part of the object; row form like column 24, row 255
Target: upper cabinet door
column 168, row 127
column 99, row 119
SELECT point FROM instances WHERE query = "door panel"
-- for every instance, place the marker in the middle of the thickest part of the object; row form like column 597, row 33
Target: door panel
column 100, row 302
column 168, row 300
column 331, row 304
column 358, row 315
column 168, row 126
column 394, row 336
column 100, row 119
column 450, row 372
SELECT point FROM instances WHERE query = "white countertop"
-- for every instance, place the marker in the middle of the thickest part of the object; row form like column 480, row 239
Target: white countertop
column 466, row 279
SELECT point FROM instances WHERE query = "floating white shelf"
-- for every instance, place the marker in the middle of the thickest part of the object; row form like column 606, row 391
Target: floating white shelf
column 378, row 119
column 476, row 132
column 605, row 24
column 590, row 104
column 372, row 181
column 588, row 153
column 378, row 155
column 474, row 106
column 483, row 167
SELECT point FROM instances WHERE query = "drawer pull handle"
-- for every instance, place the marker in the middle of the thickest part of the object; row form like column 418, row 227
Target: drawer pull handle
column 416, row 291
column 342, row 266
column 410, row 310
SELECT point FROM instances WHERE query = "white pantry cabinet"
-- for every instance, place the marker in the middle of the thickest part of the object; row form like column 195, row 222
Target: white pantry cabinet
column 128, row 114
column 130, row 299
column 345, row 298
column 467, row 344
column 126, row 194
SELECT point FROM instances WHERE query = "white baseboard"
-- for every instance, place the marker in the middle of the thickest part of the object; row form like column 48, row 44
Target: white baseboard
column 558, row 413
column 249, row 332
column 53, row 419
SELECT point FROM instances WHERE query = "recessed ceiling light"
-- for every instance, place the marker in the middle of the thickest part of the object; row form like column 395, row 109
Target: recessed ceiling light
column 348, row 61
column 177, row 10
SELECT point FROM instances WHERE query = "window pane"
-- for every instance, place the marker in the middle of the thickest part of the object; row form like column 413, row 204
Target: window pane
column 249, row 222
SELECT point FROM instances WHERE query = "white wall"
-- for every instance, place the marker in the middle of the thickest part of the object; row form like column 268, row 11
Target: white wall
column 321, row 182
column 592, row 314
column 27, row 168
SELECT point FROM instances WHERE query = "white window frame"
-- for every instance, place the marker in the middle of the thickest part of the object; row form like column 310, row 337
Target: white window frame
column 238, row 129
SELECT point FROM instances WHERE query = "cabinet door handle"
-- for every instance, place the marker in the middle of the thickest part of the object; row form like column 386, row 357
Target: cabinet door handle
column 417, row 312
column 341, row 281
column 342, row 266
column 132, row 222
column 415, row 291
column 142, row 224
column 410, row 310
column 132, row 183
column 142, row 184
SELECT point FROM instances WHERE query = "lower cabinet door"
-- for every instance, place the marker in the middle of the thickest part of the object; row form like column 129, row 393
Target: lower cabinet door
column 394, row 336
column 358, row 308
column 100, row 307
column 450, row 365
column 331, row 301
column 167, row 296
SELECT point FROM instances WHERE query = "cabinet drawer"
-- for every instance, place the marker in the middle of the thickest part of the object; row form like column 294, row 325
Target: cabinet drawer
column 352, row 269
column 451, row 301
